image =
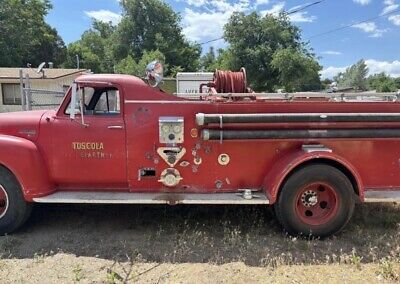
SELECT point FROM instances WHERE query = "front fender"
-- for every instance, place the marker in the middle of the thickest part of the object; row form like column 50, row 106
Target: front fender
column 286, row 165
column 23, row 158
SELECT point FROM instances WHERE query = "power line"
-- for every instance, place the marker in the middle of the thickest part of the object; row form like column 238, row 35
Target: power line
column 289, row 13
column 305, row 7
column 354, row 24
column 212, row 40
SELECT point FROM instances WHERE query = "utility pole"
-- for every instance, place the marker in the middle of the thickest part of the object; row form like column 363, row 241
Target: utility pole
column 77, row 62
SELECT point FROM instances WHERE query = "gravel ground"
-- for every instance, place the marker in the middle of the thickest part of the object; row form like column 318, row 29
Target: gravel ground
column 195, row 244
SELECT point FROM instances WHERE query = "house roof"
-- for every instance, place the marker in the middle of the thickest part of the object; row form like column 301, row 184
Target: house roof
column 13, row 73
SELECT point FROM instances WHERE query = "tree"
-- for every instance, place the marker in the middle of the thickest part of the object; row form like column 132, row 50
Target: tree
column 208, row 60
column 397, row 81
column 355, row 76
column 130, row 66
column 382, row 83
column 93, row 49
column 24, row 35
column 153, row 25
column 326, row 83
column 254, row 43
column 297, row 71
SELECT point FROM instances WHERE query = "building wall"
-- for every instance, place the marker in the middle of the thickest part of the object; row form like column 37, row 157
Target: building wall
column 44, row 84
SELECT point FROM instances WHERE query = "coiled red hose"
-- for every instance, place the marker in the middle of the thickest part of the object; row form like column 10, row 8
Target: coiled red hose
column 228, row 82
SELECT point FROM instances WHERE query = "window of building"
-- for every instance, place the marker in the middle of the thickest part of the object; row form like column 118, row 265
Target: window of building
column 11, row 94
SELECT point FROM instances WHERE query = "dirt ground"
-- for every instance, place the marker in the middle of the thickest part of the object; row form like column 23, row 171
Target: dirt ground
column 196, row 244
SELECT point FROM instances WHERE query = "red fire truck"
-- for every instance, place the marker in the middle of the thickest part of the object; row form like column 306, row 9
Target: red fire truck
column 115, row 139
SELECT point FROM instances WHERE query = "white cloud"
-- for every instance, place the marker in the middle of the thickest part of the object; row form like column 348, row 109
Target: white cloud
column 362, row 2
column 261, row 2
column 201, row 25
column 371, row 28
column 331, row 52
column 196, row 3
column 395, row 19
column 374, row 66
column 302, row 17
column 197, row 24
column 104, row 16
column 299, row 17
column 390, row 6
column 391, row 68
column 276, row 9
column 331, row 71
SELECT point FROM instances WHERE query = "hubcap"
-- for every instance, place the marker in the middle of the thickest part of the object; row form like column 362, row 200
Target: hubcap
column 3, row 201
column 317, row 203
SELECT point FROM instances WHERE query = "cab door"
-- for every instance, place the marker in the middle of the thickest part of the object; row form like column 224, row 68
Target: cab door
column 91, row 153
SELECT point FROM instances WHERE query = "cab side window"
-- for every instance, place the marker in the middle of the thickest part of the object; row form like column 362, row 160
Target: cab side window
column 97, row 101
column 108, row 103
column 103, row 102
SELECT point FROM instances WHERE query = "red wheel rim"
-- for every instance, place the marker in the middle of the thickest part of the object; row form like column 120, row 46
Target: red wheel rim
column 317, row 203
column 3, row 202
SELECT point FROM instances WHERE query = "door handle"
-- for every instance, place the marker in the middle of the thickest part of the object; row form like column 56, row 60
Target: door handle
column 115, row 127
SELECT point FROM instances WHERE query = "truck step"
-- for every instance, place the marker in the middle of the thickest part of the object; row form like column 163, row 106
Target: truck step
column 151, row 198
column 382, row 196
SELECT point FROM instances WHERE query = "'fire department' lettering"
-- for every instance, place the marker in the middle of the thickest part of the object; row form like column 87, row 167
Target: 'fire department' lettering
column 87, row 145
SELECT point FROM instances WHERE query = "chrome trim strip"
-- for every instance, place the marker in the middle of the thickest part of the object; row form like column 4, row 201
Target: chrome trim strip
column 315, row 148
column 382, row 195
column 150, row 198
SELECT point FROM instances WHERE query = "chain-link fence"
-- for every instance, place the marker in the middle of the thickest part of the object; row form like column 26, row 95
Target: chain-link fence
column 43, row 99
column 32, row 99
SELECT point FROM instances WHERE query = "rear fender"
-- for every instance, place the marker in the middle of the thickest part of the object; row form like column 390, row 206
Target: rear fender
column 22, row 157
column 275, row 179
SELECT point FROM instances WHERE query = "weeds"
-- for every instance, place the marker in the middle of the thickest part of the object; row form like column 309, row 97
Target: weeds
column 78, row 273
column 386, row 270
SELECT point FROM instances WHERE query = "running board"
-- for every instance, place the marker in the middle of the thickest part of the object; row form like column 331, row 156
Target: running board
column 151, row 198
column 382, row 196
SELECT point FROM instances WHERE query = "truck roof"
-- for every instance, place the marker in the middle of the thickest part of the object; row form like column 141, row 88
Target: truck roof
column 120, row 79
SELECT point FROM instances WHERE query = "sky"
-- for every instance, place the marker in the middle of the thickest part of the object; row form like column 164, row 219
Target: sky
column 341, row 32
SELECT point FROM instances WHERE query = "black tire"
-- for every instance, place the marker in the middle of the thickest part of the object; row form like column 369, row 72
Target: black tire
column 295, row 197
column 15, row 210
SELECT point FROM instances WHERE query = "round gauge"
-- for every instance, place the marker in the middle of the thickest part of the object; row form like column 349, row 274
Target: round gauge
column 165, row 128
column 177, row 129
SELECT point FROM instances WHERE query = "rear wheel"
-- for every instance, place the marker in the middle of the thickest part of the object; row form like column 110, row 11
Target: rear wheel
column 14, row 210
column 317, row 200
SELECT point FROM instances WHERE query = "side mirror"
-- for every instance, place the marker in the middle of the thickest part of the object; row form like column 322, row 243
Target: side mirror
column 154, row 72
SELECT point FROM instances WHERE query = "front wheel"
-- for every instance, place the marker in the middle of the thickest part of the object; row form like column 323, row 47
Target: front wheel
column 317, row 201
column 14, row 210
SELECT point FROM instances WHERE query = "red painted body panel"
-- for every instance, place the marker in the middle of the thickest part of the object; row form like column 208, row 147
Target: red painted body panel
column 25, row 160
column 47, row 161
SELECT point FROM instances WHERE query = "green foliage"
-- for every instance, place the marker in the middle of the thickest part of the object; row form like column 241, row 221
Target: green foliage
column 24, row 35
column 153, row 25
column 382, row 83
column 326, row 83
column 128, row 65
column 208, row 60
column 261, row 45
column 93, row 49
column 297, row 71
column 355, row 76
column 397, row 82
